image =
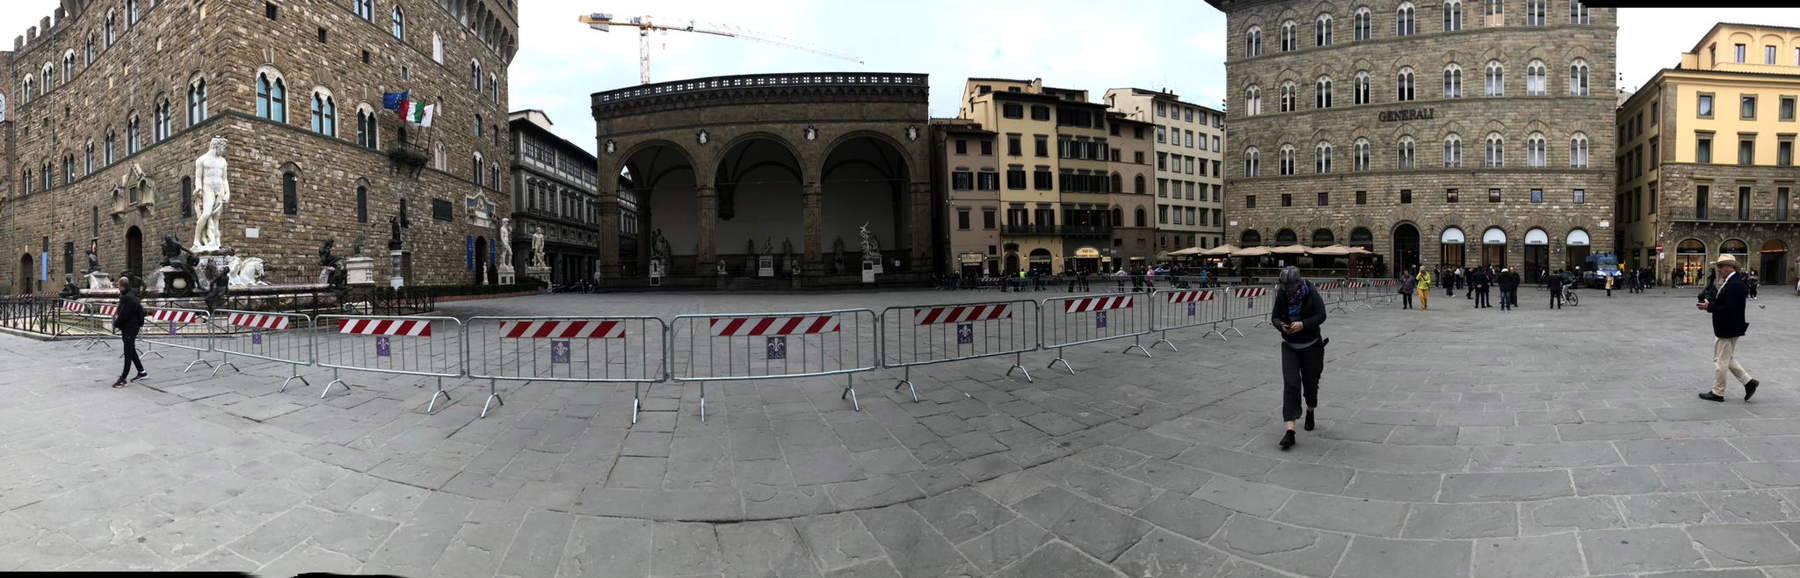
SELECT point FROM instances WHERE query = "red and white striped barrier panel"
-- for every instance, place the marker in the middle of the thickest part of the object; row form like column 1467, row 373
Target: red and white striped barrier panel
column 407, row 328
column 1355, row 285
column 1252, row 291
column 1090, row 304
column 273, row 322
column 109, row 310
column 774, row 326
column 75, row 306
column 183, row 317
column 1328, row 285
column 1189, row 296
column 962, row 314
column 562, row 330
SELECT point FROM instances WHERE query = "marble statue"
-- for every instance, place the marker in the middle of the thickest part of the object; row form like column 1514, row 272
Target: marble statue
column 394, row 243
column 215, row 194
column 93, row 260
column 247, row 272
column 506, row 254
column 537, row 247
column 871, row 246
column 331, row 267
column 218, row 291
column 69, row 292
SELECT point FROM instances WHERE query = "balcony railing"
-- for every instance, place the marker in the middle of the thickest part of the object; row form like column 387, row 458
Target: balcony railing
column 1063, row 230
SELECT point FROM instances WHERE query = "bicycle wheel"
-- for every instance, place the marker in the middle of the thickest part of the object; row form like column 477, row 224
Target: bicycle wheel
column 1573, row 300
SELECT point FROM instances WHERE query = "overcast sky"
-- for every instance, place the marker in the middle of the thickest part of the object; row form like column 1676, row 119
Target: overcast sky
column 1174, row 44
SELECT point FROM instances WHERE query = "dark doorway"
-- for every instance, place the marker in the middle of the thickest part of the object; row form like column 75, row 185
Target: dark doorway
column 481, row 260
column 134, row 250
column 1537, row 257
column 1406, row 246
column 1773, row 269
column 26, row 274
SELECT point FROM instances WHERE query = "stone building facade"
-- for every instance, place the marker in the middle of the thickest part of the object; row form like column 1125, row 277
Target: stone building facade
column 966, row 174
column 111, row 102
column 1133, row 206
column 559, row 193
column 1706, row 163
column 791, row 166
column 1437, row 133
column 1190, row 143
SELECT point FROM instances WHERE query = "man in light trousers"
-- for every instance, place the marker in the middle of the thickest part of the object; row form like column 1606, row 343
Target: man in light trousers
column 1727, row 309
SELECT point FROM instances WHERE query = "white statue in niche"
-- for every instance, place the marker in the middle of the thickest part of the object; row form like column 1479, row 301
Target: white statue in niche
column 506, row 244
column 215, row 194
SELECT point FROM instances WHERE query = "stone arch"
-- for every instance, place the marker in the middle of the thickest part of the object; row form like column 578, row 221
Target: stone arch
column 760, row 181
column 855, row 170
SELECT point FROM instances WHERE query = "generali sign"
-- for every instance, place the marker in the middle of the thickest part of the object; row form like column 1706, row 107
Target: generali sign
column 1406, row 114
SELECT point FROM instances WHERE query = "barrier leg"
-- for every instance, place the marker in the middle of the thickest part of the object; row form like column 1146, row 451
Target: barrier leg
column 335, row 380
column 434, row 396
column 906, row 380
column 850, row 392
column 223, row 363
column 293, row 377
column 1019, row 358
column 1138, row 344
column 149, row 349
column 1164, row 338
column 494, row 396
column 1234, row 329
column 197, row 360
column 1065, row 362
column 702, row 402
column 636, row 396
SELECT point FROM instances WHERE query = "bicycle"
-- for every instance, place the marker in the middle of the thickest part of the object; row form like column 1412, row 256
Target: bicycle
column 1569, row 297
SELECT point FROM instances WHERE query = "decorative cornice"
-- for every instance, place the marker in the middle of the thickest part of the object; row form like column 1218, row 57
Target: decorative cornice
column 805, row 88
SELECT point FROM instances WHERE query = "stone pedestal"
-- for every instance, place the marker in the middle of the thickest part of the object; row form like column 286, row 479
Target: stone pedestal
column 359, row 271
column 539, row 273
column 99, row 280
column 396, row 280
column 507, row 277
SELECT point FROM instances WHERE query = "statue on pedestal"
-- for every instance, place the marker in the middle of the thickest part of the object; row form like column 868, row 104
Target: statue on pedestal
column 871, row 245
column 220, row 289
column 331, row 267
column 69, row 291
column 214, row 194
column 537, row 247
column 837, row 256
column 506, row 254
column 177, row 268
column 247, row 272
column 93, row 259
column 394, row 243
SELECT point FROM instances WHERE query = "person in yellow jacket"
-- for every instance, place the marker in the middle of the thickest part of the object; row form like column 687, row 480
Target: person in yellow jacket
column 1423, row 281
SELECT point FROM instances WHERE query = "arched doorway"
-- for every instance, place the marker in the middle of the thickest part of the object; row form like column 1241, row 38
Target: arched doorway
column 1087, row 260
column 1010, row 264
column 1773, row 268
column 760, row 206
column 481, row 276
column 1041, row 262
column 134, row 250
column 1537, row 254
column 1493, row 247
column 1406, row 246
column 656, row 193
column 1323, row 238
column 1286, row 237
column 864, row 181
column 1576, row 248
column 1452, row 242
column 27, row 273
column 1250, row 238
column 1690, row 260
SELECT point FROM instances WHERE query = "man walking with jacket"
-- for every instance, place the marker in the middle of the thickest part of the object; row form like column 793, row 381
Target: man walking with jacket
column 1727, row 309
column 130, row 319
column 1555, row 284
column 1509, row 289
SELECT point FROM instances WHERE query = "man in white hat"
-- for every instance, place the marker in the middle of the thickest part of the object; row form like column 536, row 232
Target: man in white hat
column 1727, row 309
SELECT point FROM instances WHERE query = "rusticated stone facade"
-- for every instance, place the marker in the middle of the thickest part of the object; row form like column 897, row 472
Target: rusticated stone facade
column 296, row 87
column 1320, row 94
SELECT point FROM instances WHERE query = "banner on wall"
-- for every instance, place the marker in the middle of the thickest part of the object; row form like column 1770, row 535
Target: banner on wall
column 469, row 253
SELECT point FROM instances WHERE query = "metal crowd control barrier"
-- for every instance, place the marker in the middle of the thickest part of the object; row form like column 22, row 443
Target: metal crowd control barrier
column 426, row 346
column 567, row 349
column 927, row 334
column 1361, row 292
column 181, row 329
column 749, row 346
column 94, row 320
column 1069, row 321
column 1243, row 304
column 1332, row 292
column 1183, row 308
column 278, row 337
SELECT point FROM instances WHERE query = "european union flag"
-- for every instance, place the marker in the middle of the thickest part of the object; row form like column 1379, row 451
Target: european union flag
column 393, row 100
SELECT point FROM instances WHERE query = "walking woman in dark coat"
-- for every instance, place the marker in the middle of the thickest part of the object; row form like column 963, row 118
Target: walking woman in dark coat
column 1298, row 313
column 129, row 321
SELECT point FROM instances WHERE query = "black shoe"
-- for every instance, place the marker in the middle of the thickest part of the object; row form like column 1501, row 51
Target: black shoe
column 141, row 375
column 1710, row 396
column 1749, row 390
column 1309, row 419
column 1287, row 441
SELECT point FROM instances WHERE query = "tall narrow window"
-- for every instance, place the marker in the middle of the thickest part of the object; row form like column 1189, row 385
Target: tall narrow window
column 324, row 114
column 365, row 9
column 111, row 147
column 187, row 197
column 1452, row 151
column 1536, row 78
column 1535, row 12
column 1578, row 151
column 1403, row 85
column 112, row 29
column 1535, row 149
column 1322, row 158
column 362, row 204
column 1362, row 87
column 1743, row 204
column 1252, row 101
column 1364, row 23
column 1701, row 200
column 1253, row 42
column 1452, row 81
column 1362, row 155
column 1496, row 150
column 1703, row 148
column 1250, row 162
column 1289, row 97
column 196, row 102
column 1781, row 203
column 1452, row 15
column 475, row 75
column 271, row 98
column 1495, row 79
column 290, row 194
column 1403, row 20
column 1578, row 12
column 1403, row 154
column 1578, row 78
column 131, row 13
column 131, row 136
column 89, row 50
column 87, row 158
column 397, row 26
column 1287, row 160
column 161, row 131
column 1322, row 93
column 1289, row 41
column 1322, row 36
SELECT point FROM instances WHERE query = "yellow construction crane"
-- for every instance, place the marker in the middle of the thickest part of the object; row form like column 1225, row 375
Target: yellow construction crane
column 604, row 22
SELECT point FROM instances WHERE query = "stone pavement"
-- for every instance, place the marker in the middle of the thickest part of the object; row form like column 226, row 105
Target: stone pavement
column 1452, row 442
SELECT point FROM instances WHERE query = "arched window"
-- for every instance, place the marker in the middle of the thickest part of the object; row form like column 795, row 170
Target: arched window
column 1250, row 162
column 475, row 75
column 1403, row 154
column 1322, row 93
column 1452, row 15
column 112, row 28
column 68, row 71
column 438, row 160
column 475, row 168
column 1140, row 217
column 1362, row 155
column 111, row 147
column 1137, row 184
column 362, row 204
column 1289, row 41
column 1578, row 150
column 87, row 158
column 1323, row 237
column 1496, row 13
column 1578, row 78
column 1252, row 101
column 1253, row 45
column 1286, row 237
column 131, row 135
column 131, row 13
column 1322, row 158
column 1118, row 183
column 1250, row 238
column 1452, row 151
column 89, row 49
column 26, row 90
column 324, row 113
column 271, row 97
column 1363, row 88
column 1452, row 81
column 1287, row 160
column 494, row 176
column 1364, row 23
column 196, row 102
column 397, row 25
column 163, row 114
column 437, row 48
column 1403, row 20
column 1535, row 150
column 1537, row 80
column 1403, row 85
column 1289, row 96
column 493, row 88
column 1495, row 79
column 49, row 75
column 290, row 193
column 68, row 169
column 1534, row 12
column 1496, row 150
column 1578, row 12
column 365, row 9
column 1322, row 36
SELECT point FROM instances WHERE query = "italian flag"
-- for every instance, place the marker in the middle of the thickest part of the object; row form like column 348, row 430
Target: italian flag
column 420, row 114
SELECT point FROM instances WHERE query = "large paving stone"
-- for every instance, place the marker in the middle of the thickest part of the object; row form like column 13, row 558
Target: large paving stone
column 1379, row 557
column 1348, row 515
column 1451, row 521
column 1511, row 486
column 1289, row 548
column 1639, row 551
column 1744, row 545
column 1536, row 557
